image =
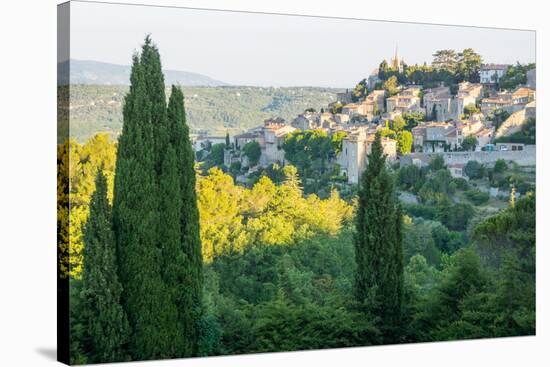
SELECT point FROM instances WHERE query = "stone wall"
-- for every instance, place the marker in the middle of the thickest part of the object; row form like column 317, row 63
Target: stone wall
column 512, row 124
column 526, row 157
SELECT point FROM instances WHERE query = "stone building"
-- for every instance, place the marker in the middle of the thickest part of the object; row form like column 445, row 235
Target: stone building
column 491, row 73
column 438, row 103
column 468, row 94
column 408, row 100
column 355, row 148
column 274, row 132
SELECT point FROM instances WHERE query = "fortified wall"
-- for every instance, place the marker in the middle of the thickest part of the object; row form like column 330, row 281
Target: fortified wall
column 525, row 157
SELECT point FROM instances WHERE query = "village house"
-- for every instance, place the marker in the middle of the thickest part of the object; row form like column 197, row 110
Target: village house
column 490, row 74
column 491, row 104
column 468, row 94
column 445, row 136
column 484, row 137
column 306, row 121
column 326, row 120
column 274, row 132
column 408, row 100
column 508, row 101
column 438, row 103
column 522, row 95
column 373, row 104
column 355, row 148
column 436, row 137
column 341, row 118
column 344, row 97
column 254, row 134
column 352, row 109
column 457, row 170
column 270, row 136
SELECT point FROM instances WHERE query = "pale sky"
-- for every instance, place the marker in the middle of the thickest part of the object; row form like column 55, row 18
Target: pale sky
column 276, row 50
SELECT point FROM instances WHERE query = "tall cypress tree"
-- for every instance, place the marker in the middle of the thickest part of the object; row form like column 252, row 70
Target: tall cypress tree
column 151, row 312
column 189, row 295
column 378, row 247
column 155, row 217
column 105, row 331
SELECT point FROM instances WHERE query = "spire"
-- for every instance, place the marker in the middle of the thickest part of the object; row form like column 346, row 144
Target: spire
column 395, row 62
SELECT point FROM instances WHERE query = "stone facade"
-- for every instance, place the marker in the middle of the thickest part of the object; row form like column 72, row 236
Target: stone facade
column 438, row 103
column 355, row 148
column 407, row 100
column 524, row 157
column 491, row 73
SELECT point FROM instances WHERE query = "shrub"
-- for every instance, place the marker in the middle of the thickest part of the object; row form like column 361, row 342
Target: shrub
column 477, row 197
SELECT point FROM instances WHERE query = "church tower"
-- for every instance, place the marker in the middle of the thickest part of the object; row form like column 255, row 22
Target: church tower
column 396, row 64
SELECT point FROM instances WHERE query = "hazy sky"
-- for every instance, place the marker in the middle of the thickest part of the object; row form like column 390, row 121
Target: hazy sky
column 278, row 50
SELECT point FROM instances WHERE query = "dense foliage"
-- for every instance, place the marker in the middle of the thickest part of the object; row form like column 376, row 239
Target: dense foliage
column 98, row 108
column 155, row 231
column 77, row 168
column 448, row 66
column 105, row 330
column 515, row 75
column 311, row 152
column 234, row 218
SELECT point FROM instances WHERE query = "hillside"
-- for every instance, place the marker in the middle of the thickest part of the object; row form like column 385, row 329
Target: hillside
column 218, row 110
column 102, row 73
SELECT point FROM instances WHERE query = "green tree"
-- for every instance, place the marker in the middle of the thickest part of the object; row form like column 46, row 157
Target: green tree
column 391, row 86
column 474, row 169
column 135, row 214
column 182, row 252
column 337, row 108
column 500, row 166
column 437, row 163
column 468, row 66
column 445, row 60
column 442, row 313
column 515, row 75
column 470, row 110
column 105, row 326
column 337, row 141
column 404, row 142
column 360, row 91
column 498, row 117
column 253, row 152
column 469, row 143
column 378, row 245
column 150, row 229
column 398, row 123
column 412, row 119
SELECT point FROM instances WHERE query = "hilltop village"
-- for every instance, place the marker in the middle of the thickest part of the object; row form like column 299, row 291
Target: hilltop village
column 463, row 112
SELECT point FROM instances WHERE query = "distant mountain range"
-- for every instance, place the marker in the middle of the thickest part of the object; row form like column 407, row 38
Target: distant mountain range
column 103, row 73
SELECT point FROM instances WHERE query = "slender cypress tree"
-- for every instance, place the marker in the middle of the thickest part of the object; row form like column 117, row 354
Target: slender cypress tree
column 105, row 324
column 189, row 296
column 378, row 247
column 152, row 314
